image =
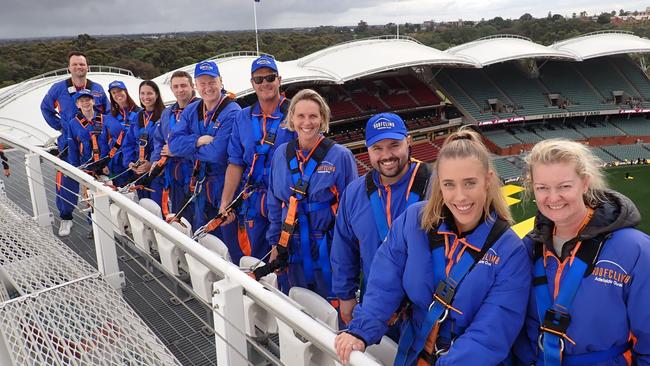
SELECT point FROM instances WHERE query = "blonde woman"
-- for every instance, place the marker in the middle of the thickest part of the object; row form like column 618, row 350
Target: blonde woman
column 463, row 272
column 590, row 295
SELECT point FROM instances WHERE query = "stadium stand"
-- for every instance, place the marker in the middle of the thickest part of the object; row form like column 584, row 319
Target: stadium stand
column 527, row 94
column 627, row 152
column 502, row 138
column 633, row 73
column 597, row 128
column 554, row 130
column 505, row 168
column 526, row 135
column 563, row 80
column 631, row 126
column 606, row 82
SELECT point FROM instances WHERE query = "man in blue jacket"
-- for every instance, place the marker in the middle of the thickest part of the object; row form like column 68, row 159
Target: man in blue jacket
column 202, row 135
column 58, row 107
column 259, row 129
column 171, row 187
column 371, row 202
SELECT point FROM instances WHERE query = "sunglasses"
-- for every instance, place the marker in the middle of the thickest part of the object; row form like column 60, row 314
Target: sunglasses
column 269, row 78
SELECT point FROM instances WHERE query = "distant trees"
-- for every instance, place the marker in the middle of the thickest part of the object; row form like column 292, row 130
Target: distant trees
column 150, row 56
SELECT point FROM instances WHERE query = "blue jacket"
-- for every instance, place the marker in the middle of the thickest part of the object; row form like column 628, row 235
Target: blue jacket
column 113, row 126
column 356, row 238
column 242, row 144
column 132, row 151
column 187, row 131
column 614, row 300
column 336, row 171
column 58, row 107
column 80, row 143
column 492, row 297
column 169, row 118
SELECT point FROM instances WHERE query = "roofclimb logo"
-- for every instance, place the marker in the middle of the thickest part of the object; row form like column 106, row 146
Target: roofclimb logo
column 205, row 67
column 382, row 124
column 263, row 62
column 616, row 276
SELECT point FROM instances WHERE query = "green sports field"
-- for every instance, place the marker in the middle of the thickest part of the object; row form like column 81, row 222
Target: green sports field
column 637, row 189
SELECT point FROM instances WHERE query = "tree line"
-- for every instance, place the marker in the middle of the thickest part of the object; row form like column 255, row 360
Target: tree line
column 151, row 55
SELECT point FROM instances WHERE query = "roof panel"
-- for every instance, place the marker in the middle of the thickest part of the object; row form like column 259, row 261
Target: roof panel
column 603, row 43
column 360, row 58
column 506, row 47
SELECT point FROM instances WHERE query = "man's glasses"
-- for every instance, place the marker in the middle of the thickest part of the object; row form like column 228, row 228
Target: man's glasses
column 269, row 78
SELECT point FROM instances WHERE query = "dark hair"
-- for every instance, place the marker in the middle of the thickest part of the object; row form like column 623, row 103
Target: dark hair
column 115, row 108
column 159, row 106
column 77, row 53
column 182, row 74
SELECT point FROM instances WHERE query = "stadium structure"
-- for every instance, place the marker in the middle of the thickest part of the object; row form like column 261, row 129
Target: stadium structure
column 174, row 300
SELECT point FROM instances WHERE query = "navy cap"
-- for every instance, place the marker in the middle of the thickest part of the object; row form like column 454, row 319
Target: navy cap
column 82, row 93
column 264, row 61
column 385, row 126
column 116, row 84
column 206, row 68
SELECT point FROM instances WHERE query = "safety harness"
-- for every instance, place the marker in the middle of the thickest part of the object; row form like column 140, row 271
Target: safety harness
column 264, row 136
column 125, row 121
column 93, row 134
column 174, row 117
column 414, row 193
column 554, row 312
column 448, row 275
column 205, row 122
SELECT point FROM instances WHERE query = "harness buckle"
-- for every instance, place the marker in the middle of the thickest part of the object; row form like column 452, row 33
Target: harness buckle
column 540, row 342
column 445, row 293
column 556, row 322
column 300, row 188
column 143, row 142
column 269, row 139
column 289, row 228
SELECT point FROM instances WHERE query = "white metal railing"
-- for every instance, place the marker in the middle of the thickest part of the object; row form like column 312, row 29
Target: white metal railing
column 229, row 294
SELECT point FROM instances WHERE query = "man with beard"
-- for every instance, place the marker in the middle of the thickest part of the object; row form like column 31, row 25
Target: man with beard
column 370, row 204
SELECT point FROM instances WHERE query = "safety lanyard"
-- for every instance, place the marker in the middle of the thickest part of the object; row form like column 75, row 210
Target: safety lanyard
column 553, row 310
column 125, row 122
column 382, row 211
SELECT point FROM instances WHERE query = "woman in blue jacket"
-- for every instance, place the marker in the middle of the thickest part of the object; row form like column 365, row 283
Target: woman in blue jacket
column 307, row 175
column 461, row 274
column 123, row 114
column 141, row 133
column 590, row 302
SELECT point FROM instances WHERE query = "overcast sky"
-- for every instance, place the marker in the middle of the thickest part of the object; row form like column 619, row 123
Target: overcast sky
column 37, row 18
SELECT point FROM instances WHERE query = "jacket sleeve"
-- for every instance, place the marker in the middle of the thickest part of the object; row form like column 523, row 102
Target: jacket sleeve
column 130, row 149
column 182, row 142
column 158, row 140
column 274, row 204
column 73, row 147
column 235, row 148
column 638, row 301
column 217, row 150
column 49, row 112
column 345, row 254
column 488, row 339
column 385, row 291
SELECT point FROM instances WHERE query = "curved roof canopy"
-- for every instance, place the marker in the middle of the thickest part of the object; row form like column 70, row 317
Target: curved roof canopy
column 356, row 59
column 20, row 113
column 235, row 69
column 505, row 47
column 604, row 43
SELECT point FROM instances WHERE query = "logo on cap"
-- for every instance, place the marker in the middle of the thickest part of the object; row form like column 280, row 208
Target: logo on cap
column 205, row 67
column 263, row 61
column 383, row 123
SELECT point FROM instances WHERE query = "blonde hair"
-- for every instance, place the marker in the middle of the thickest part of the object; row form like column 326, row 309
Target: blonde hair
column 312, row 95
column 462, row 144
column 566, row 151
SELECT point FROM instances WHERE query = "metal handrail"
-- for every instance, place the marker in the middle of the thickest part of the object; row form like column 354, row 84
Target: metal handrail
column 281, row 307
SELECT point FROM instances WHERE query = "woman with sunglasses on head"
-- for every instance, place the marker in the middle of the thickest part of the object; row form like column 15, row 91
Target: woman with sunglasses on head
column 123, row 114
column 590, row 302
column 307, row 176
column 460, row 274
column 141, row 133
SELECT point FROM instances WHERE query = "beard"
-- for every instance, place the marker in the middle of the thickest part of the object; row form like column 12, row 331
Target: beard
column 391, row 173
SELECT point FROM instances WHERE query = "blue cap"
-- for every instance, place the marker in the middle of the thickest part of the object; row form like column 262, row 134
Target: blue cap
column 206, row 68
column 264, row 61
column 82, row 93
column 385, row 126
column 116, row 84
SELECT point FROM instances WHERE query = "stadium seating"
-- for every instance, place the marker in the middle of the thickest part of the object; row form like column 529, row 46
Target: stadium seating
column 526, row 136
column 603, row 155
column 461, row 98
column 605, row 82
column 527, row 94
column 627, row 152
column 501, row 137
column 551, row 131
column 633, row 74
column 632, row 126
column 477, row 86
column 425, row 151
column 420, row 91
column 597, row 129
column 560, row 78
column 506, row 169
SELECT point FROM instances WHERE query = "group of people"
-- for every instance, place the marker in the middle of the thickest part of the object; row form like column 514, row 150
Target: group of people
column 422, row 253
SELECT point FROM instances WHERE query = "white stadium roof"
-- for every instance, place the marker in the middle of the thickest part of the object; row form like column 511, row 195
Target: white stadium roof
column 603, row 43
column 356, row 59
column 505, row 47
column 20, row 113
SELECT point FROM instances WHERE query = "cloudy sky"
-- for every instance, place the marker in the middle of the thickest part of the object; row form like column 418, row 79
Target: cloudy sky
column 37, row 18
